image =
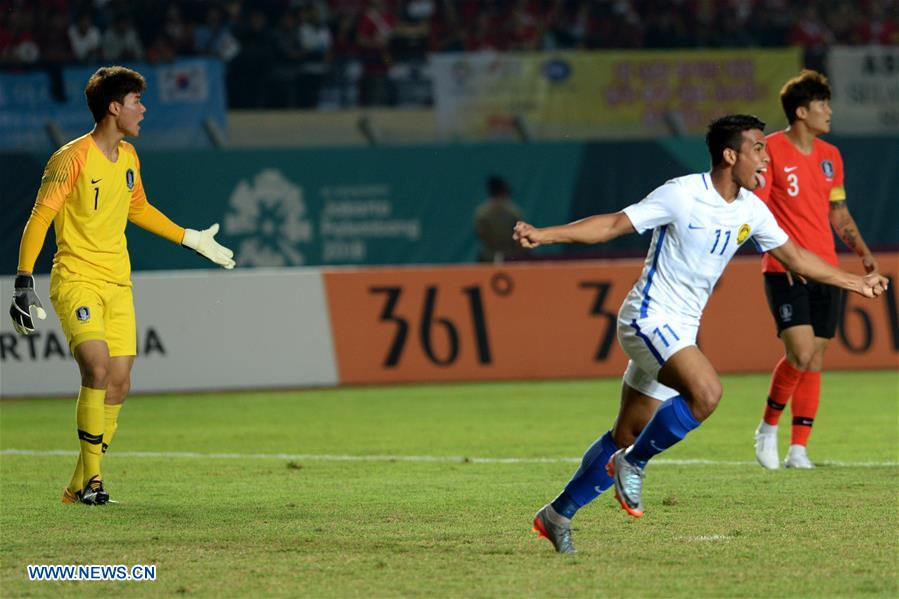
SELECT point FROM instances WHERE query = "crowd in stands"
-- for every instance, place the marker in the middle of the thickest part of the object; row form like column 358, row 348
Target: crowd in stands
column 302, row 53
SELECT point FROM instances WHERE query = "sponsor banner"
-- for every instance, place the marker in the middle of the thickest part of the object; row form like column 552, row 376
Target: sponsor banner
column 627, row 93
column 203, row 330
column 865, row 82
column 559, row 320
column 382, row 206
column 478, row 322
column 215, row 330
column 180, row 97
column 738, row 332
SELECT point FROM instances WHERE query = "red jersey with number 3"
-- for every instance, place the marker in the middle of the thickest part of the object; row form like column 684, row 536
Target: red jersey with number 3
column 799, row 190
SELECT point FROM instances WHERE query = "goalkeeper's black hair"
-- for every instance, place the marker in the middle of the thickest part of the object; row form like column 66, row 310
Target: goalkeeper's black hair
column 108, row 84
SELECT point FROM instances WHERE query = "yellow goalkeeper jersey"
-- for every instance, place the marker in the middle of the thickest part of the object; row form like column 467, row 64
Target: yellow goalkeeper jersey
column 93, row 197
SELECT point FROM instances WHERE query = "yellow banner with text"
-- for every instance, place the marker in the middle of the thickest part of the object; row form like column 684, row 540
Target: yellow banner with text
column 615, row 93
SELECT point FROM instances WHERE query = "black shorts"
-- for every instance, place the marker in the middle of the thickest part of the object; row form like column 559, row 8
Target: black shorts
column 803, row 303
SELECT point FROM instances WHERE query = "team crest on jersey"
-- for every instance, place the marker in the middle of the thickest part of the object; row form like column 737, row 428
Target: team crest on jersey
column 129, row 179
column 83, row 313
column 827, row 167
column 743, row 233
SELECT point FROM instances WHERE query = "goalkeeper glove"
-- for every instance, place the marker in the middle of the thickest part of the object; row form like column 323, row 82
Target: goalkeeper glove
column 24, row 300
column 204, row 243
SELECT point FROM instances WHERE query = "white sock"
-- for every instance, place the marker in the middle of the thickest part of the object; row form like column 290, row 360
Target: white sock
column 767, row 429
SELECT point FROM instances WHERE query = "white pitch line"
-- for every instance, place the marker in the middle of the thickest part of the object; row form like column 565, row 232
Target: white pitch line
column 399, row 458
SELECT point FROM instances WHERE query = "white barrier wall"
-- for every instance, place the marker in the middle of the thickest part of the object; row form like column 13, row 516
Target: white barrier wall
column 196, row 330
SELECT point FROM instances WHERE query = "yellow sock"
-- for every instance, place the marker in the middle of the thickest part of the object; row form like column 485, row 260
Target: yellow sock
column 89, row 416
column 77, row 482
column 111, row 424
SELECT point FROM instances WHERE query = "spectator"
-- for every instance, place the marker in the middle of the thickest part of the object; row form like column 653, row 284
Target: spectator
column 20, row 45
column 561, row 30
column 494, row 221
column 121, row 42
column 809, row 30
column 729, row 31
column 374, row 36
column 812, row 34
column 286, row 39
column 85, row 38
column 161, row 49
column 880, row 28
column 250, row 72
column 346, row 68
column 214, row 37
column 446, row 34
column 524, row 27
column 410, row 40
column 315, row 44
column 484, row 36
column 667, row 28
column 769, row 25
column 54, row 40
column 178, row 31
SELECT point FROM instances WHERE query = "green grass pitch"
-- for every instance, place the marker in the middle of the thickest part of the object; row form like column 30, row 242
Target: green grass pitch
column 429, row 491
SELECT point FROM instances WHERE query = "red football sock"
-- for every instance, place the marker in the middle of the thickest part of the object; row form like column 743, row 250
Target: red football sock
column 783, row 385
column 805, row 406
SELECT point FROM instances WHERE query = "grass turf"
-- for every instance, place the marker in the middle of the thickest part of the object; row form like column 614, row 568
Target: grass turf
column 326, row 527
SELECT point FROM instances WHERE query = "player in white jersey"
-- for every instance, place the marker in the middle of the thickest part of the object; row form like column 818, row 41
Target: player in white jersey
column 698, row 223
column 695, row 234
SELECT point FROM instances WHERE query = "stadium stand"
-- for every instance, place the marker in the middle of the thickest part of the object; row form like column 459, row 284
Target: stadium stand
column 349, row 53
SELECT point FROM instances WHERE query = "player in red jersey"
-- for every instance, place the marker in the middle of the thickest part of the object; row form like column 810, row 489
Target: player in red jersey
column 807, row 197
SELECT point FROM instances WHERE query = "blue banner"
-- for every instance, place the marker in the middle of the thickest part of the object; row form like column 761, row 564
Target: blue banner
column 409, row 205
column 180, row 97
column 375, row 206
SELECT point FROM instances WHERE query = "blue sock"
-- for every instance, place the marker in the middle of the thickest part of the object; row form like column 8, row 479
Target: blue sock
column 671, row 423
column 590, row 479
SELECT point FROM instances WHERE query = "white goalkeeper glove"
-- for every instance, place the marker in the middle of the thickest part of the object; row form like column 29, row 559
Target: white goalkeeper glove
column 204, row 243
column 25, row 305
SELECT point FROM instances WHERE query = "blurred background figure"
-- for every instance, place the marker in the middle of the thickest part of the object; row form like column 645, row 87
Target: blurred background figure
column 374, row 37
column 85, row 38
column 121, row 41
column 214, row 36
column 315, row 49
column 494, row 220
column 252, row 80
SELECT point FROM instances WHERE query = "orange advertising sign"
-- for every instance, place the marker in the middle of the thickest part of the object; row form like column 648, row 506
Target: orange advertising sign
column 548, row 320
column 738, row 333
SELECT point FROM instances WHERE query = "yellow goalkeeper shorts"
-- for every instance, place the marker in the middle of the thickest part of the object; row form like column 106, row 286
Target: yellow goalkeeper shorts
column 90, row 310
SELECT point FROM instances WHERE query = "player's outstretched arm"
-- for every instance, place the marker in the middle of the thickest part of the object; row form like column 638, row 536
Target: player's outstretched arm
column 148, row 217
column 844, row 225
column 593, row 229
column 204, row 243
column 806, row 263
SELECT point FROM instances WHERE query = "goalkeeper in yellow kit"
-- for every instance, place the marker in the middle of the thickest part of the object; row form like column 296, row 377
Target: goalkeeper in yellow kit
column 90, row 189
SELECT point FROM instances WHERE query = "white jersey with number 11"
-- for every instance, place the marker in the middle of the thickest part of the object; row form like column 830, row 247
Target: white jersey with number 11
column 695, row 234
